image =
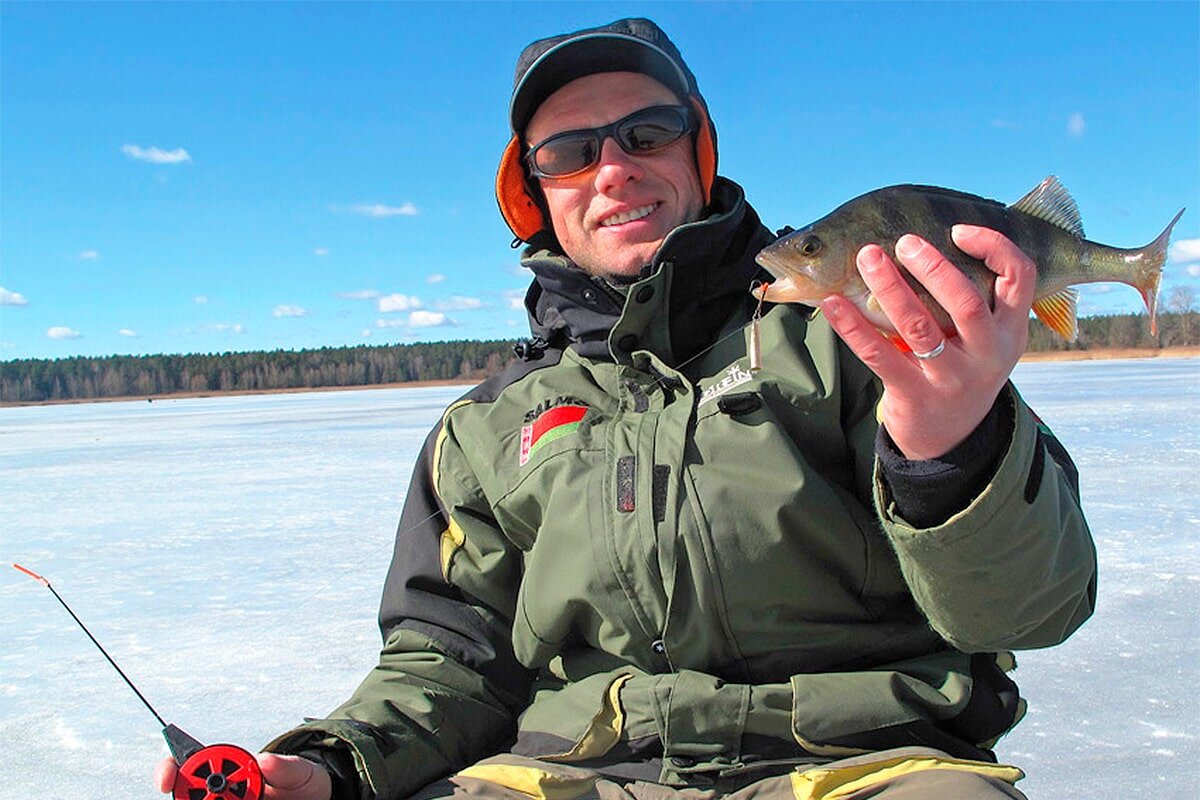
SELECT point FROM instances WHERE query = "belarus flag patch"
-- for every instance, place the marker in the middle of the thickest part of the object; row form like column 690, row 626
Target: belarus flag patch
column 550, row 425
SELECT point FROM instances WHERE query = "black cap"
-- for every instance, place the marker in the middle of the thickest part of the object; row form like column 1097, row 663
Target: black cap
column 627, row 45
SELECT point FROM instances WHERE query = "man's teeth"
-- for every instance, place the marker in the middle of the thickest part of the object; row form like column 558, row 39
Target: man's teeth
column 629, row 216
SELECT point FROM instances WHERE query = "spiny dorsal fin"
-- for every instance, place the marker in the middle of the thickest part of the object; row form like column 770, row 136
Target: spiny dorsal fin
column 1057, row 312
column 1049, row 201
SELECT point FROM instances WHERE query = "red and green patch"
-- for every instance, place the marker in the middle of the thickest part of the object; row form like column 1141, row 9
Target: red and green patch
column 549, row 425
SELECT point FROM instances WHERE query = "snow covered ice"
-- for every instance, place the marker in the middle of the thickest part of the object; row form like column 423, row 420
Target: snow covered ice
column 228, row 552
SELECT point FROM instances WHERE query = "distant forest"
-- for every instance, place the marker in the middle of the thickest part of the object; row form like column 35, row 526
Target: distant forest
column 36, row 380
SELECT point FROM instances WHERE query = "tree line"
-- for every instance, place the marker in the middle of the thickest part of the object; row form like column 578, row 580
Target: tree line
column 80, row 378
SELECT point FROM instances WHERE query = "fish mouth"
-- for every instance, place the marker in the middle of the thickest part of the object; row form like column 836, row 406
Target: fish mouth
column 632, row 215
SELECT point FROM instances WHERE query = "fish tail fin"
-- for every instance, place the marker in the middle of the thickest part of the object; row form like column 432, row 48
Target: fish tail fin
column 1058, row 313
column 1149, row 274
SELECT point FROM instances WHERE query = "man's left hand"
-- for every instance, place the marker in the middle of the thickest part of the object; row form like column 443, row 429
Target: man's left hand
column 930, row 405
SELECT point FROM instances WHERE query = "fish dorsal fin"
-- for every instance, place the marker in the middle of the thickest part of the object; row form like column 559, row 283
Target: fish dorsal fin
column 1057, row 312
column 1049, row 201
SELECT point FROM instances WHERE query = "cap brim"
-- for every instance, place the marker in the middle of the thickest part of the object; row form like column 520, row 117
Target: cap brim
column 588, row 55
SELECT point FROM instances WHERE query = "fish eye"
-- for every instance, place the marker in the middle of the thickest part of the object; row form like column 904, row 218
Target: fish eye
column 810, row 245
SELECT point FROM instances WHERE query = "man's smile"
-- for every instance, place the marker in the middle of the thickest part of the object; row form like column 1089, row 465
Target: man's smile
column 629, row 216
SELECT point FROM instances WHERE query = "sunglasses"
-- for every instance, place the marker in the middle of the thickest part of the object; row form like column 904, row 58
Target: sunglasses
column 639, row 133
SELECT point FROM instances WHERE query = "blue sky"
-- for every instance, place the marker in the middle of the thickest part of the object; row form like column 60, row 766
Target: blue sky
column 204, row 177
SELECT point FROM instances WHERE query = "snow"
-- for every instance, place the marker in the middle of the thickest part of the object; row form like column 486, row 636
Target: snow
column 228, row 552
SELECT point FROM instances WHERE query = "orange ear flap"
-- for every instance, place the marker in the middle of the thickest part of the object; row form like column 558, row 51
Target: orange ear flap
column 706, row 148
column 516, row 206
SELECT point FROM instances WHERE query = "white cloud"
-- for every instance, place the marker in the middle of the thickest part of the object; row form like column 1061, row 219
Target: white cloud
column 427, row 319
column 380, row 210
column 8, row 298
column 397, row 302
column 200, row 299
column 155, row 155
column 1076, row 125
column 89, row 255
column 362, row 294
column 1185, row 251
column 515, row 299
column 417, row 319
column 289, row 311
column 320, row 251
column 436, row 278
column 63, row 332
column 459, row 303
column 366, row 333
column 1193, row 270
column 132, row 334
column 227, row 327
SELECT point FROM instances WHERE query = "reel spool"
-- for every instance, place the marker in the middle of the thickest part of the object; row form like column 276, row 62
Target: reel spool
column 219, row 772
column 215, row 772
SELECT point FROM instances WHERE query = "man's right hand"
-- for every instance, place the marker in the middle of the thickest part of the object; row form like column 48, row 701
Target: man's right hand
column 286, row 777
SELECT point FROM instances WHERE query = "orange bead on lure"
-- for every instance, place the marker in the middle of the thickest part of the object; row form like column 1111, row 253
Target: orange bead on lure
column 819, row 260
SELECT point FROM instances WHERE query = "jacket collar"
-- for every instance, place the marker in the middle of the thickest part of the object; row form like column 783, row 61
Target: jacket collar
column 698, row 277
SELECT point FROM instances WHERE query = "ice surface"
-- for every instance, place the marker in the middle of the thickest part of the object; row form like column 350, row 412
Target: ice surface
column 229, row 552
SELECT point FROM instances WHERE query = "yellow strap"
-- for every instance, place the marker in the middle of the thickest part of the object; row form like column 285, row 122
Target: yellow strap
column 839, row 782
column 532, row 781
column 453, row 537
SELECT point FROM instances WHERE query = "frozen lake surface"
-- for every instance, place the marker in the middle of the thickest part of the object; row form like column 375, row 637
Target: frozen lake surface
column 229, row 552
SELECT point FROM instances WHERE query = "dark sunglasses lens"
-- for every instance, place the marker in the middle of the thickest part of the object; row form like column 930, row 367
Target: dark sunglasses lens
column 640, row 132
column 566, row 154
column 652, row 129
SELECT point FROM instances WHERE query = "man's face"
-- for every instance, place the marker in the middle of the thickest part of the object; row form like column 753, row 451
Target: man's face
column 660, row 190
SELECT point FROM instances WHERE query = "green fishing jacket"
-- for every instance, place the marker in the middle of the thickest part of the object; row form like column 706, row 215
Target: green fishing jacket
column 630, row 547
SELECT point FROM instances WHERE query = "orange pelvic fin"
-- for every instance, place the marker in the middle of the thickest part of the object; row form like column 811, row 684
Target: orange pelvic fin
column 1057, row 312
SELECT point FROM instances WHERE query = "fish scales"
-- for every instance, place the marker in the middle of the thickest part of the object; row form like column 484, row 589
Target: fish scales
column 819, row 260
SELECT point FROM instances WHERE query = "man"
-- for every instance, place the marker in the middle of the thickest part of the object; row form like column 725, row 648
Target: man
column 629, row 566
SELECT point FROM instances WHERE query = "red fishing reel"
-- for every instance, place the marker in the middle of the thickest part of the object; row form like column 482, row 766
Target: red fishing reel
column 215, row 772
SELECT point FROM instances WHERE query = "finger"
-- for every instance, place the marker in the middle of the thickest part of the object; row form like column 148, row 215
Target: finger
column 164, row 775
column 864, row 340
column 909, row 315
column 949, row 286
column 1016, row 274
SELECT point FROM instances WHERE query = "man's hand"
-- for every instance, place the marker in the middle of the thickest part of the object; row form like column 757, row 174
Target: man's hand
column 287, row 778
column 930, row 405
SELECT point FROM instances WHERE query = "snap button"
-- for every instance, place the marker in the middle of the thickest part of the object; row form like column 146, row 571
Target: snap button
column 645, row 294
column 590, row 295
column 683, row 762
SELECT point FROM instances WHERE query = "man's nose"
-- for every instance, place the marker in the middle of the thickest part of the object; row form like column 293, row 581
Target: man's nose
column 615, row 167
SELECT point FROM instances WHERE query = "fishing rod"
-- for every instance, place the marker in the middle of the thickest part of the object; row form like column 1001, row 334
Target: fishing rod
column 206, row 772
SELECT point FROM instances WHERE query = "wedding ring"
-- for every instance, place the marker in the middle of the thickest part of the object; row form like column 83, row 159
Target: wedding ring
column 934, row 353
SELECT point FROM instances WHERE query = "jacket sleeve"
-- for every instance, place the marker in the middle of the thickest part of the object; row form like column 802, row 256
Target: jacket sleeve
column 1015, row 568
column 447, row 687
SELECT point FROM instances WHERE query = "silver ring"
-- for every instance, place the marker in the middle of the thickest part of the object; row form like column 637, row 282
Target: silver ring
column 934, row 353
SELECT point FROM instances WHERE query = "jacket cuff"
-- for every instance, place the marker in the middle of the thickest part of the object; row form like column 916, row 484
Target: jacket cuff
column 355, row 755
column 927, row 493
column 339, row 763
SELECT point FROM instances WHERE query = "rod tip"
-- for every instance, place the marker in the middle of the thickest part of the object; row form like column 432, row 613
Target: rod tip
column 32, row 574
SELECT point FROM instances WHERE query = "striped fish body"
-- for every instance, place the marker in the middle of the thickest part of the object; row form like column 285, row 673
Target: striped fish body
column 819, row 260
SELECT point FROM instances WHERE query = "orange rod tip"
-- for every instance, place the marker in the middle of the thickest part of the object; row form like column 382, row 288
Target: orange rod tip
column 32, row 574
